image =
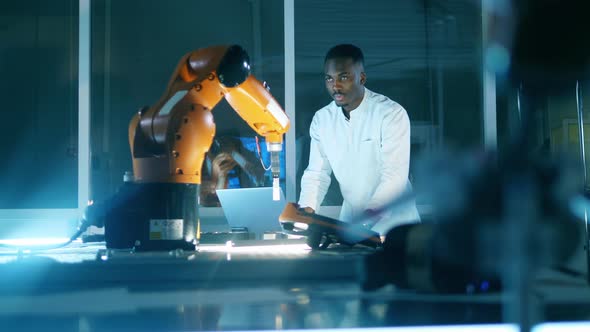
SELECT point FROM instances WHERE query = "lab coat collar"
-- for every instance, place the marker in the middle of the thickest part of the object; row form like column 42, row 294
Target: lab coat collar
column 360, row 110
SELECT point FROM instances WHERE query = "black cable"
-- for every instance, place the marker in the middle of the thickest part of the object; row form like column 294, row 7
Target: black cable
column 81, row 229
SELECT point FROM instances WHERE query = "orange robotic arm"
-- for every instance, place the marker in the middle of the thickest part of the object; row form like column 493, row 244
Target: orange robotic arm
column 169, row 139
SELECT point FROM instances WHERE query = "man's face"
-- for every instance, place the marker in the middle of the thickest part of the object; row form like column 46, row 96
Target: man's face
column 345, row 82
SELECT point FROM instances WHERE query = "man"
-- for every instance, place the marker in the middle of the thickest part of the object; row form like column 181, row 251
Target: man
column 364, row 138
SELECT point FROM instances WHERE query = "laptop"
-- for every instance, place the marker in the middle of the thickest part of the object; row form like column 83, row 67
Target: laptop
column 252, row 208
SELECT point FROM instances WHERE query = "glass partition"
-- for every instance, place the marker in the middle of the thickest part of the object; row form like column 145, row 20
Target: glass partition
column 39, row 66
column 39, row 172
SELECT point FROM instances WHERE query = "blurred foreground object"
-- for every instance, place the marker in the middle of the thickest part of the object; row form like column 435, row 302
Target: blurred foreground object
column 538, row 43
column 479, row 203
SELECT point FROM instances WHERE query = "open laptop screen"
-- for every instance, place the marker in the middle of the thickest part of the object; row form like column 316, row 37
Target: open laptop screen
column 252, row 208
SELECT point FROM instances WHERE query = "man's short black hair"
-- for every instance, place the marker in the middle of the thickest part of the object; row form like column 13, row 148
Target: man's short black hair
column 346, row 51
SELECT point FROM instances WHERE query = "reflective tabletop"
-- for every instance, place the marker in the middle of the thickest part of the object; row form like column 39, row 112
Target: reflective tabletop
column 262, row 285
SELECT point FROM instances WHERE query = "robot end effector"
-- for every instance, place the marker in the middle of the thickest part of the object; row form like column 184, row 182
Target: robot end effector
column 169, row 140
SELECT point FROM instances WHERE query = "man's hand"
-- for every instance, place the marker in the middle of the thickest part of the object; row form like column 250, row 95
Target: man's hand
column 371, row 217
column 307, row 209
column 371, row 212
column 221, row 165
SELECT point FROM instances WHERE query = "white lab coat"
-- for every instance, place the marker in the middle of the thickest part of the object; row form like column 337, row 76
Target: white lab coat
column 369, row 155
